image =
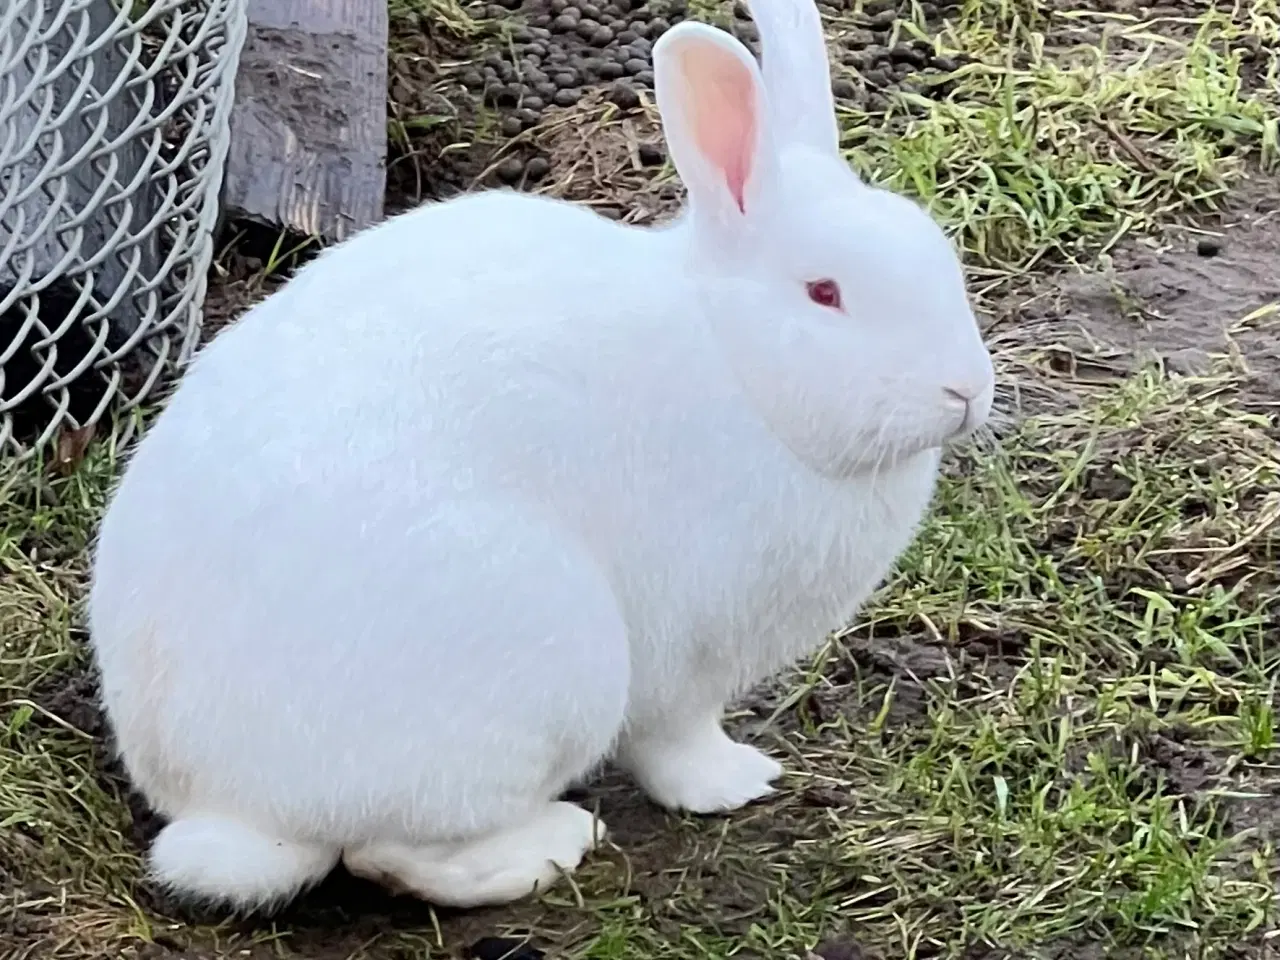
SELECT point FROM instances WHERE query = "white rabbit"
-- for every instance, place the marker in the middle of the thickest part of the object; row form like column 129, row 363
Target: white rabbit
column 499, row 489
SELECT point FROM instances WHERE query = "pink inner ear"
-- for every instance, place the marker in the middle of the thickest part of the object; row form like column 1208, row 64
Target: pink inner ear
column 722, row 113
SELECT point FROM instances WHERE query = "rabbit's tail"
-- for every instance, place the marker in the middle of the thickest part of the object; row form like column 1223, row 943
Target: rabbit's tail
column 218, row 861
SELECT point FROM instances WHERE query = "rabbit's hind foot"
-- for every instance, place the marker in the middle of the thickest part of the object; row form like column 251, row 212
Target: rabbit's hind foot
column 497, row 868
column 223, row 862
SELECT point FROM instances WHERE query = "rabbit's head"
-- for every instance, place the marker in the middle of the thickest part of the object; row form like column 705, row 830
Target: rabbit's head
column 841, row 307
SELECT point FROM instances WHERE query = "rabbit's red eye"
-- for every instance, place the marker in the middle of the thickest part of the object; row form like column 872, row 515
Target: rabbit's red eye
column 825, row 293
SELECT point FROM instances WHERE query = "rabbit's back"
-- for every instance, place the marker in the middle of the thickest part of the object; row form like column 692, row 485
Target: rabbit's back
column 281, row 578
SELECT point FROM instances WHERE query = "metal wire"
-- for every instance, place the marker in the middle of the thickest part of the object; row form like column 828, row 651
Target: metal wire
column 114, row 128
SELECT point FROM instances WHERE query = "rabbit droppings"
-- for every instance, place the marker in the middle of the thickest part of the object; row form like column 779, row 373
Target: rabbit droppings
column 422, row 541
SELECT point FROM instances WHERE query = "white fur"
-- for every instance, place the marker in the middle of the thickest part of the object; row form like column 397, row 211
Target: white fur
column 215, row 859
column 503, row 866
column 499, row 489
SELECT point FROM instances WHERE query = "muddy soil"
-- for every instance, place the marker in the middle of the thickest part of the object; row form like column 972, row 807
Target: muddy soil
column 1197, row 295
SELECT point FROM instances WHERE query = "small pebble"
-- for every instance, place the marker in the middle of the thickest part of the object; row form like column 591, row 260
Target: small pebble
column 537, row 168
column 1208, row 247
column 511, row 126
column 624, row 96
column 858, row 39
column 563, row 23
column 635, row 65
column 510, row 169
column 651, row 154
column 843, row 89
column 566, row 97
column 906, row 55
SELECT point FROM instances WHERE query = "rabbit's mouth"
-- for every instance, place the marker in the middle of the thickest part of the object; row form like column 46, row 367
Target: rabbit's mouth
column 863, row 456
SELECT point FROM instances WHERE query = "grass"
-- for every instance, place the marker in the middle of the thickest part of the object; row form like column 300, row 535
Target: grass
column 1064, row 133
column 1084, row 782
column 1053, row 732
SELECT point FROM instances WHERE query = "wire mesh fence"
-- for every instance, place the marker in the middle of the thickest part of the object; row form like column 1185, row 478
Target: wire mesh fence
column 114, row 127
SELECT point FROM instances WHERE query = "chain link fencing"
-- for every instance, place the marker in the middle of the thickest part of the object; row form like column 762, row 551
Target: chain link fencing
column 114, row 128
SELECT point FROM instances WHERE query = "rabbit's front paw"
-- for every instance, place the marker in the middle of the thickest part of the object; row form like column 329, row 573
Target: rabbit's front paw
column 702, row 772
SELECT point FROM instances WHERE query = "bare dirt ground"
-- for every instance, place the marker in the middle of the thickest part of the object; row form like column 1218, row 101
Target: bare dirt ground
column 1052, row 734
column 1180, row 299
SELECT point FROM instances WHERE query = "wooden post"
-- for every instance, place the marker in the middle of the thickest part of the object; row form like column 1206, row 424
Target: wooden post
column 309, row 125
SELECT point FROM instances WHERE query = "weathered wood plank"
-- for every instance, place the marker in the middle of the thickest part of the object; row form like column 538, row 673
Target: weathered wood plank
column 309, row 126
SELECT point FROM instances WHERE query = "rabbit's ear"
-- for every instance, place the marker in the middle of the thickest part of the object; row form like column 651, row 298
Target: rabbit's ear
column 711, row 97
column 796, row 72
